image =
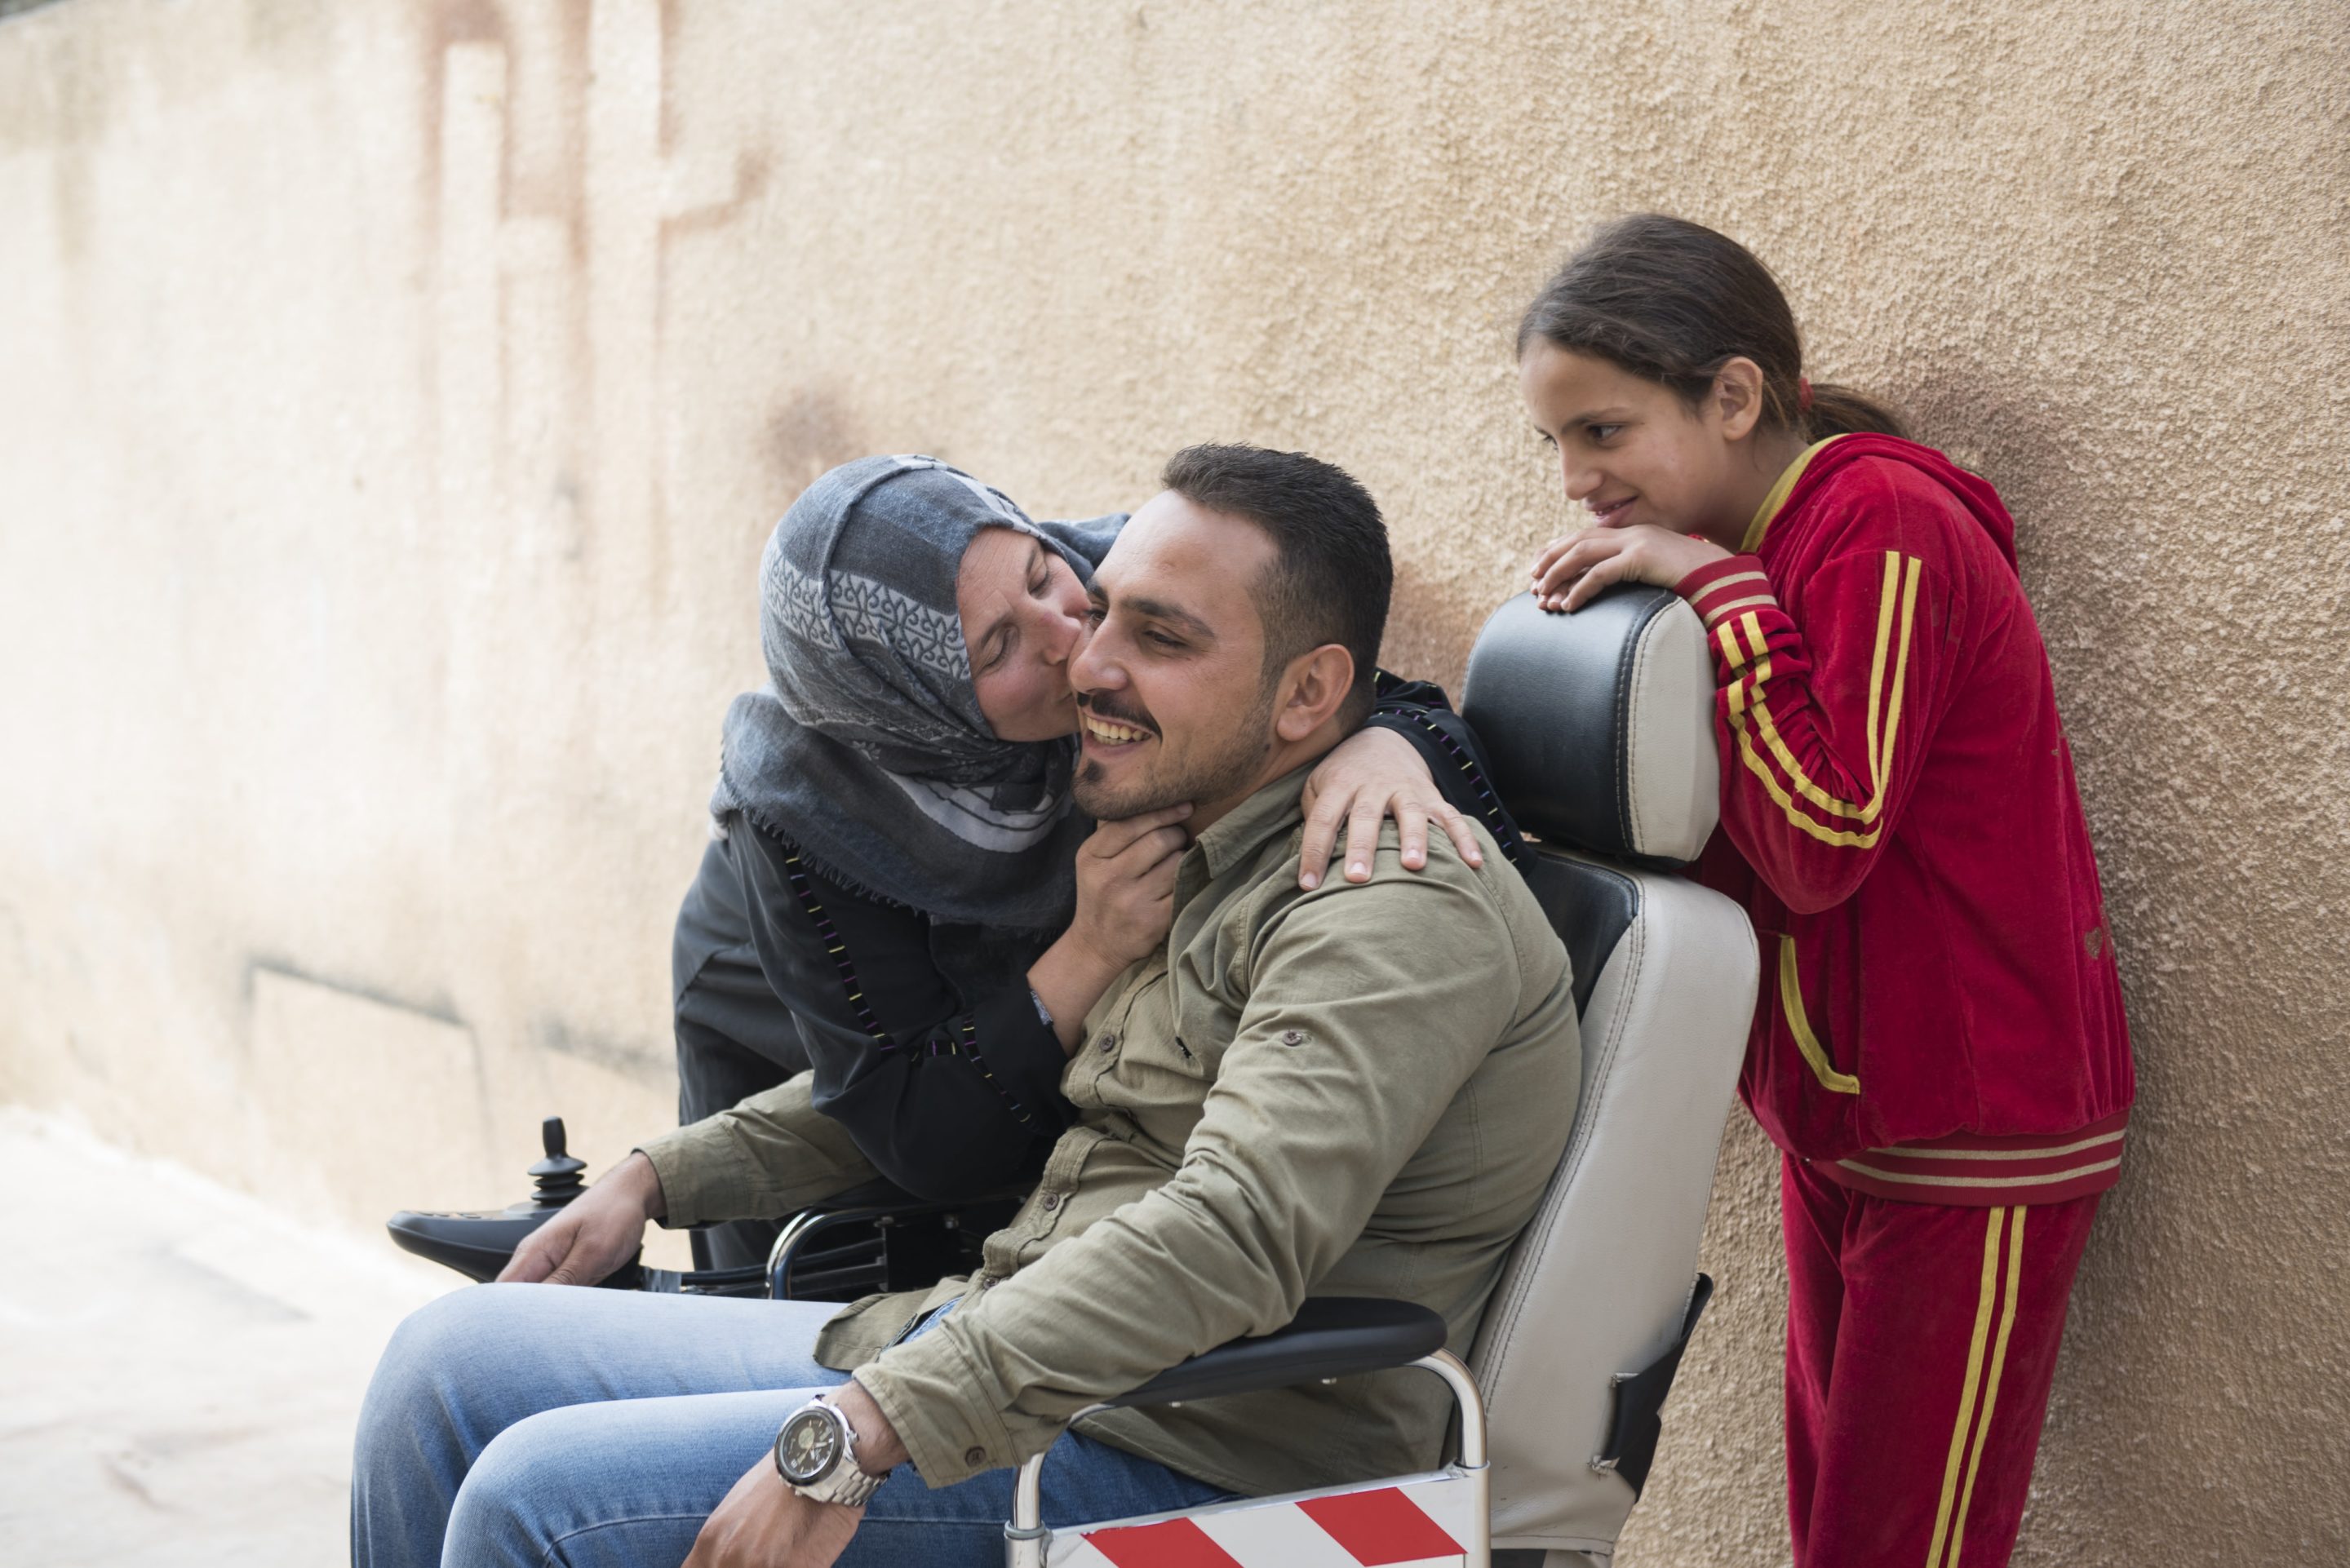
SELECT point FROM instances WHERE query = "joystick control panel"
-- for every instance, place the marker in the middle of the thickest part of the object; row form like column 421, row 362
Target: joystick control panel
column 478, row 1242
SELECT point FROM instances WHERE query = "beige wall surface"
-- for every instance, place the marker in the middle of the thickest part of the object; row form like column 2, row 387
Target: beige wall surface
column 394, row 396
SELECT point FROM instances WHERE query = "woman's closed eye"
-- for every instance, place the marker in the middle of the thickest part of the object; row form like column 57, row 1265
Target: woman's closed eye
column 1000, row 644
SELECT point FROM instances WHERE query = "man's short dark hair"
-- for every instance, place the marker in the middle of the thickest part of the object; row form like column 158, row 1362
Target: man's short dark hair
column 1331, row 574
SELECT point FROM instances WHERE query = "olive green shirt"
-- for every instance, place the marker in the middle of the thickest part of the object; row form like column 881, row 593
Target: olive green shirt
column 1361, row 1090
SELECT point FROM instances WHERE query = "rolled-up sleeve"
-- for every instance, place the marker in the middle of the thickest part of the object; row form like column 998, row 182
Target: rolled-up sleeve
column 768, row 1156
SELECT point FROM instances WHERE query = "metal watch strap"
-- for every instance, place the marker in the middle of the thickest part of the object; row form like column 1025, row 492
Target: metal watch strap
column 847, row 1485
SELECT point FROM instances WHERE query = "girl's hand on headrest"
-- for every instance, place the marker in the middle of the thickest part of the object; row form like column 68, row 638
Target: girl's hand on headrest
column 1572, row 567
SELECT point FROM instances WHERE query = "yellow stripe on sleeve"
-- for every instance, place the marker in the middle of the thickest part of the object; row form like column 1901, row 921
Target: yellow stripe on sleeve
column 1727, row 635
column 1720, row 584
column 1876, row 666
column 1841, row 837
column 1901, row 666
column 1897, row 589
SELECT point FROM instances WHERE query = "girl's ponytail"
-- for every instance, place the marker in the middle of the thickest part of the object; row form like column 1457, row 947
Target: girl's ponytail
column 1672, row 302
column 1840, row 410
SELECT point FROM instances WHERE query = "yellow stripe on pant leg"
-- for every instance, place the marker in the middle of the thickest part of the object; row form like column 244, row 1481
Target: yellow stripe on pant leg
column 1974, row 1372
column 1990, row 1385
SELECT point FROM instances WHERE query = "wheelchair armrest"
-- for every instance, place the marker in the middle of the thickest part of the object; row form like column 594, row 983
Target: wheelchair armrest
column 1332, row 1337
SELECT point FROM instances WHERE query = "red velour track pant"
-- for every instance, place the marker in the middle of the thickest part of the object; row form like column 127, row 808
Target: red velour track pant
column 1922, row 1340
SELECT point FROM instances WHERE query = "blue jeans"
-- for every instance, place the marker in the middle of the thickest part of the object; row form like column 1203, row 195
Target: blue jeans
column 548, row 1424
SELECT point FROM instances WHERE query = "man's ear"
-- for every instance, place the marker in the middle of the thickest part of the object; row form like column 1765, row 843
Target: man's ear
column 1738, row 397
column 1314, row 688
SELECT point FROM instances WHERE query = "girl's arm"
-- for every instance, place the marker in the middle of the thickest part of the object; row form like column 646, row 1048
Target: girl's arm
column 1822, row 726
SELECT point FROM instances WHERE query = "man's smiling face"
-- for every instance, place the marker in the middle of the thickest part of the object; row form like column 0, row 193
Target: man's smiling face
column 1173, row 696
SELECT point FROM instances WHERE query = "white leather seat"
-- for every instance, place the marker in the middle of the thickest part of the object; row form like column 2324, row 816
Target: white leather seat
column 1600, row 728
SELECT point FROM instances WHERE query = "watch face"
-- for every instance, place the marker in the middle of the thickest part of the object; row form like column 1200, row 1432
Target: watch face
column 808, row 1446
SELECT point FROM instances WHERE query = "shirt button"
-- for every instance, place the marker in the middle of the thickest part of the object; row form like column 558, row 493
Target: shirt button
column 987, row 1282
column 1293, row 1037
column 1107, row 1042
column 1052, row 1201
column 974, row 1456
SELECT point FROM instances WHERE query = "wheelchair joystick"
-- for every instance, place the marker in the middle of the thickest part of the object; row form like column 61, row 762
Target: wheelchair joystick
column 478, row 1242
column 557, row 1176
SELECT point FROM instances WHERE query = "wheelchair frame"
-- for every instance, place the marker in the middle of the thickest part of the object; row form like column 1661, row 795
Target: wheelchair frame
column 1447, row 1514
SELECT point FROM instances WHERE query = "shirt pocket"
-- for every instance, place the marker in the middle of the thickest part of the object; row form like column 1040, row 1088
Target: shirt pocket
column 1145, row 1062
column 1182, row 1034
column 1796, row 1014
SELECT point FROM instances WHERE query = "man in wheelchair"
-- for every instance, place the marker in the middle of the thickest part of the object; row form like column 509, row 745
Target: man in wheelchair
column 1361, row 1090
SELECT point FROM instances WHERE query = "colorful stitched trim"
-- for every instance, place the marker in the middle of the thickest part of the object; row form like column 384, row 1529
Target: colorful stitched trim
column 1496, row 824
column 966, row 1046
column 1723, row 587
column 835, row 949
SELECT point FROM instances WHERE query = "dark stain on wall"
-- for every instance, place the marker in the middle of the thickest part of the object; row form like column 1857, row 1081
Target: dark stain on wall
column 639, row 1064
column 440, row 1009
column 810, row 431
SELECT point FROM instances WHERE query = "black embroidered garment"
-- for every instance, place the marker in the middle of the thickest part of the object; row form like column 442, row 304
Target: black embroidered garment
column 924, row 1040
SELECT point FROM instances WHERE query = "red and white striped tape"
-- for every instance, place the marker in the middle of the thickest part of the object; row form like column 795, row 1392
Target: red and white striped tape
column 1417, row 1524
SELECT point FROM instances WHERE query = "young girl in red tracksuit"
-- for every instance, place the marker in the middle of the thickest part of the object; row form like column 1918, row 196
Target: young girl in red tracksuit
column 1939, row 1048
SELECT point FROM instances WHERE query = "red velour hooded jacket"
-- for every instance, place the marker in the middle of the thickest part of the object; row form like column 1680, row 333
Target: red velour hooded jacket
column 1940, row 1019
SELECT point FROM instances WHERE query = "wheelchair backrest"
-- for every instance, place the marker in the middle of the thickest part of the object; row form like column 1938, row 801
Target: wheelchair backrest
column 1599, row 726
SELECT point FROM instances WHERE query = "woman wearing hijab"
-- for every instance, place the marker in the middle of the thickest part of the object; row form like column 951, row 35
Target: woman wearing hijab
column 888, row 900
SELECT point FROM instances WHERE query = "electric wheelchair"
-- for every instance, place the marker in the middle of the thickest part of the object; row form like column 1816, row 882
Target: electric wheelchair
column 1599, row 728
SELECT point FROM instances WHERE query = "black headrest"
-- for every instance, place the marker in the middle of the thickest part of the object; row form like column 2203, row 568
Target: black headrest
column 1599, row 724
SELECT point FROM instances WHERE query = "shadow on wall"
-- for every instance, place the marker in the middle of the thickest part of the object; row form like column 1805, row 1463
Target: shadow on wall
column 1427, row 639
column 2025, row 451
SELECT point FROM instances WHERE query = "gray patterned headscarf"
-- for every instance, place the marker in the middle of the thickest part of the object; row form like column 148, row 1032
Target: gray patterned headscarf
column 866, row 750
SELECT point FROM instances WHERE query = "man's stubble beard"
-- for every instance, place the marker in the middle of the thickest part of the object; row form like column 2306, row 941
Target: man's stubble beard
column 1212, row 778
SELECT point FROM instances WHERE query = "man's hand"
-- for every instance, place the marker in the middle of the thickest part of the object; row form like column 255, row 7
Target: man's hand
column 764, row 1523
column 594, row 1233
column 1372, row 774
column 1572, row 567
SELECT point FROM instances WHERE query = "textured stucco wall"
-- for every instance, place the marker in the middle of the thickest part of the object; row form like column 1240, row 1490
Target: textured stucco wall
column 394, row 396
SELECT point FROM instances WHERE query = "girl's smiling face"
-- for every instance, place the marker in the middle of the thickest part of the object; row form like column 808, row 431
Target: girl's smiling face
column 1630, row 451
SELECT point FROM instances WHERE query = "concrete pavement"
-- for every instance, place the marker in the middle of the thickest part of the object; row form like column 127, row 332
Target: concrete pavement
column 181, row 1366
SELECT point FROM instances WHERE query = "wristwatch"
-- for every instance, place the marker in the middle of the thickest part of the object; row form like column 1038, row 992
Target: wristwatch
column 815, row 1453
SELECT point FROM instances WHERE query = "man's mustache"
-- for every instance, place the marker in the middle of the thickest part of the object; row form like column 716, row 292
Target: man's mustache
column 1103, row 705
